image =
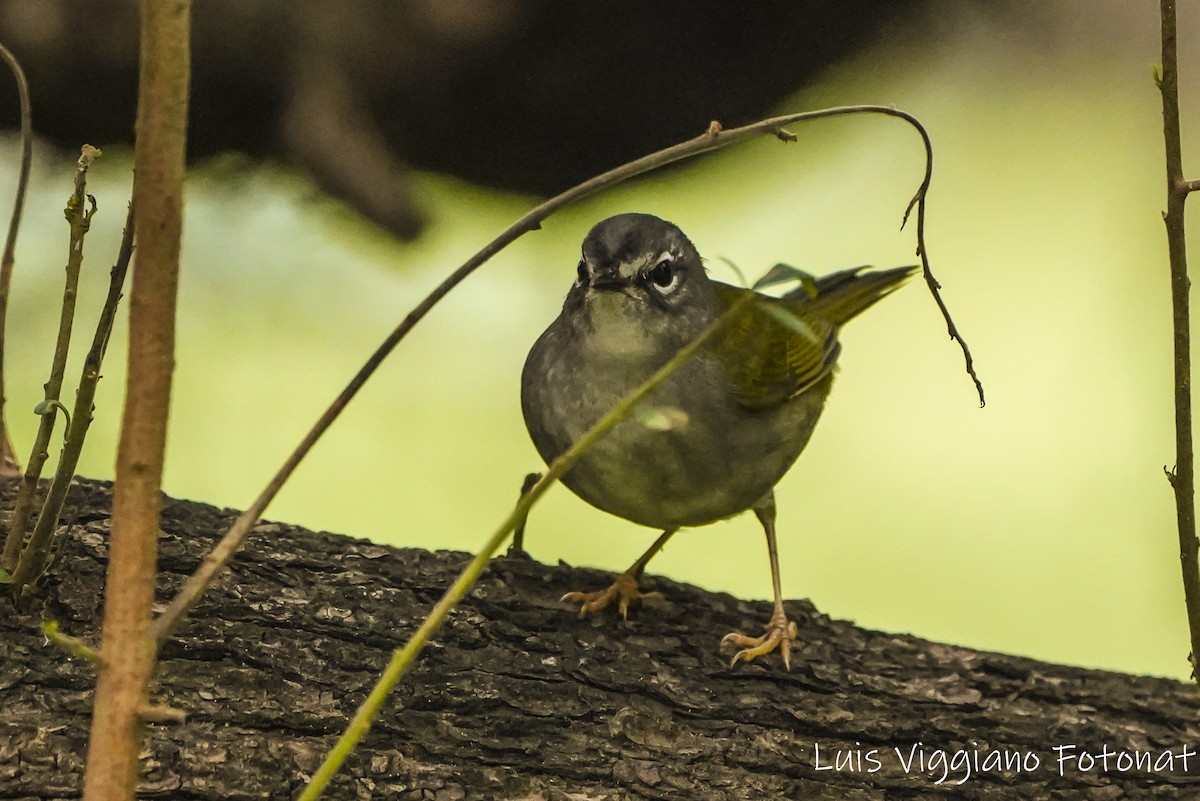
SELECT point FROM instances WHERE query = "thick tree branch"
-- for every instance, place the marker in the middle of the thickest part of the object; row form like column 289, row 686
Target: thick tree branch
column 517, row 698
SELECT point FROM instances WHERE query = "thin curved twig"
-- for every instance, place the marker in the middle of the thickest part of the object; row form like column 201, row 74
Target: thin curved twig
column 918, row 200
column 713, row 138
column 8, row 459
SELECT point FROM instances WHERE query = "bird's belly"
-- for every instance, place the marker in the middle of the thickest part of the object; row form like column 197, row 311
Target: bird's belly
column 691, row 475
column 718, row 462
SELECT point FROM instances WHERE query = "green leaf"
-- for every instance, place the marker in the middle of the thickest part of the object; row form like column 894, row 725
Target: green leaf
column 783, row 273
column 48, row 406
column 5, row 578
column 737, row 270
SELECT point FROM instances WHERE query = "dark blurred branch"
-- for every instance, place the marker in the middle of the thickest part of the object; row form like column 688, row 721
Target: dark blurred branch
column 445, row 87
column 79, row 217
column 1182, row 477
column 8, row 459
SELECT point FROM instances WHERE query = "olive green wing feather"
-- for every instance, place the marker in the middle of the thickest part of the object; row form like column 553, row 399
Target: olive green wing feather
column 779, row 347
column 773, row 349
column 842, row 296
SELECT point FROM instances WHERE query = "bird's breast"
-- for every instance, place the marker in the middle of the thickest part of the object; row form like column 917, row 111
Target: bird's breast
column 691, row 455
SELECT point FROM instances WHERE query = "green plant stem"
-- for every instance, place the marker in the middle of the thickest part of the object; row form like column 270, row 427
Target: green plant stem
column 80, row 218
column 1182, row 477
column 8, row 459
column 72, row 645
column 403, row 657
column 36, row 553
column 713, row 139
column 128, row 648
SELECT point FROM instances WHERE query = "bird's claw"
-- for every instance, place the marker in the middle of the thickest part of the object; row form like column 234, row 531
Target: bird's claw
column 780, row 634
column 623, row 590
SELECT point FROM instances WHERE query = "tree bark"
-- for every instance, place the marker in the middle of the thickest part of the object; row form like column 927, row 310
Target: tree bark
column 519, row 699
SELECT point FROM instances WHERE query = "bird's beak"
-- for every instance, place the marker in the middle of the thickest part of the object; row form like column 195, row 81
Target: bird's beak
column 609, row 279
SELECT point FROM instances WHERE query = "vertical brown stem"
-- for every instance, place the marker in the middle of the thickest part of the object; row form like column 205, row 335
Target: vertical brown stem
column 128, row 648
column 36, row 553
column 1181, row 478
column 79, row 217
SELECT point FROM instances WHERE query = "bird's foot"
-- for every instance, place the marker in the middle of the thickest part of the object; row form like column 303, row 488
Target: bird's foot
column 623, row 590
column 781, row 633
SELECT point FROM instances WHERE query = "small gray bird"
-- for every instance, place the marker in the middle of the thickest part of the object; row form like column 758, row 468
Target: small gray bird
column 726, row 426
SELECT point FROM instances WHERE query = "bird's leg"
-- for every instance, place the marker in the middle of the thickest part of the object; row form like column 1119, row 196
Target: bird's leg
column 781, row 632
column 517, row 546
column 624, row 589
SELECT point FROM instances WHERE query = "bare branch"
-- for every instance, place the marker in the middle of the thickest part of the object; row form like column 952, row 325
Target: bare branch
column 36, row 553
column 79, row 217
column 8, row 459
column 1182, row 477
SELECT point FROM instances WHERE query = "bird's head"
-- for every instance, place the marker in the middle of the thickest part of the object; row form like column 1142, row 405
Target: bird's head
column 639, row 268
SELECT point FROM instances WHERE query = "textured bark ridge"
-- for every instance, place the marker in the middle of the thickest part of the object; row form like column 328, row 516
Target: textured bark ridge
column 519, row 699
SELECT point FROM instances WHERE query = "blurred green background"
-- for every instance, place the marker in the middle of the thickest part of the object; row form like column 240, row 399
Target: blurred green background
column 1041, row 525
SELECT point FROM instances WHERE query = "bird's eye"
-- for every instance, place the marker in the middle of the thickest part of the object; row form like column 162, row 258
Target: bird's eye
column 582, row 272
column 663, row 277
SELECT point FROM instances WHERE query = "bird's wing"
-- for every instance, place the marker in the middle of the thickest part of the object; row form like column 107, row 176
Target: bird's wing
column 773, row 350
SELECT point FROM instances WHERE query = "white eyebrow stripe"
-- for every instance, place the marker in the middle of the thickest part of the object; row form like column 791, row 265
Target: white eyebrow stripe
column 631, row 269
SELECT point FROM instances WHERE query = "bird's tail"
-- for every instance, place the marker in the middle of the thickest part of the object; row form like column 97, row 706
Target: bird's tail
column 842, row 296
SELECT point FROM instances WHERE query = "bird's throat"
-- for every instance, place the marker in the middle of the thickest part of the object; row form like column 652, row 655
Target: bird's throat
column 618, row 328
